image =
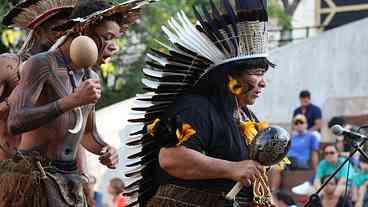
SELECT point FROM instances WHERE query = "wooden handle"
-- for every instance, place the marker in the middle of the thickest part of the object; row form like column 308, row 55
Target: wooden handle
column 234, row 191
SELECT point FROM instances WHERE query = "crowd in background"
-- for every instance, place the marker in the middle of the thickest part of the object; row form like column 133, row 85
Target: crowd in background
column 116, row 188
column 309, row 153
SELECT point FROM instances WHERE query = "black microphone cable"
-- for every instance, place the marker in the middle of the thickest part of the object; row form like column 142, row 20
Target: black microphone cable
column 347, row 184
column 347, row 176
column 362, row 127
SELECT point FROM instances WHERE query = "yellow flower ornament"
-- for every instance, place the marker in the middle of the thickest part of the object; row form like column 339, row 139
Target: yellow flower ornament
column 185, row 132
column 282, row 164
column 151, row 128
column 234, row 86
column 261, row 190
column 250, row 129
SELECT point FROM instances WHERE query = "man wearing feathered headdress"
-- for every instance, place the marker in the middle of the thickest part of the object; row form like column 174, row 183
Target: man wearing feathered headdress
column 54, row 108
column 37, row 17
column 195, row 131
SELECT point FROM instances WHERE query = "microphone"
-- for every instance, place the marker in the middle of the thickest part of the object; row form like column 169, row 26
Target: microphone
column 339, row 130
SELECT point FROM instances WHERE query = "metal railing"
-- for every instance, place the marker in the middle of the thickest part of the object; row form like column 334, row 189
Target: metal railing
column 280, row 37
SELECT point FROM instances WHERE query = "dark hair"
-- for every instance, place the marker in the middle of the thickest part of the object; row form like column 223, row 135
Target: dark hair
column 305, row 94
column 239, row 66
column 329, row 145
column 325, row 178
column 214, row 86
column 336, row 120
column 87, row 7
column 284, row 197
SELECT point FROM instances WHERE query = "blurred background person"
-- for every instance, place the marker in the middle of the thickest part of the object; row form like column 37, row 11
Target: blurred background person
column 330, row 198
column 303, row 152
column 304, row 148
column 360, row 183
column 94, row 200
column 116, row 189
column 312, row 112
column 283, row 199
column 329, row 164
column 343, row 145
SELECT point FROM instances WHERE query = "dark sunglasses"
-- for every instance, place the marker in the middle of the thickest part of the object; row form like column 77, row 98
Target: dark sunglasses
column 298, row 122
column 329, row 153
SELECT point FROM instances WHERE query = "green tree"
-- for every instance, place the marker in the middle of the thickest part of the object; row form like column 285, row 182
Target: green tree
column 283, row 11
column 123, row 81
column 121, row 77
column 4, row 7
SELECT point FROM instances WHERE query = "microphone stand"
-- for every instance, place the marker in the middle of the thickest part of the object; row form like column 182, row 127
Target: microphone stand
column 314, row 199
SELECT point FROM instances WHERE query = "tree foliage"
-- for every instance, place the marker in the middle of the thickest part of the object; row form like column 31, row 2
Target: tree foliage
column 4, row 7
column 150, row 30
column 121, row 76
column 124, row 81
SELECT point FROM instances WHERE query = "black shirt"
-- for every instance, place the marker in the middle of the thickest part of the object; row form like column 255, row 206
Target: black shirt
column 214, row 137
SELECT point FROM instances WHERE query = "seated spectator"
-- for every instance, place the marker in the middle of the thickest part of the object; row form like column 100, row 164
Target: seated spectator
column 304, row 147
column 303, row 152
column 116, row 189
column 366, row 197
column 97, row 196
column 312, row 112
column 283, row 199
column 328, row 166
column 330, row 198
column 360, row 183
column 93, row 198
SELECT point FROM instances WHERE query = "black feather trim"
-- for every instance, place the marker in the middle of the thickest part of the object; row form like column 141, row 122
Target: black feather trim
column 253, row 15
column 231, row 19
column 151, row 108
column 217, row 17
column 8, row 19
column 245, row 64
column 216, row 30
column 172, row 78
column 142, row 131
column 190, row 52
column 205, row 28
column 167, row 89
column 159, row 97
